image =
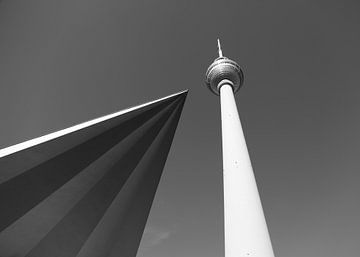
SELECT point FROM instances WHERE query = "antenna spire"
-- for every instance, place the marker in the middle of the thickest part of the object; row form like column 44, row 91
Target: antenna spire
column 219, row 48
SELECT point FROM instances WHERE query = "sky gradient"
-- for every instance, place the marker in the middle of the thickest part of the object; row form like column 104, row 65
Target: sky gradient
column 65, row 62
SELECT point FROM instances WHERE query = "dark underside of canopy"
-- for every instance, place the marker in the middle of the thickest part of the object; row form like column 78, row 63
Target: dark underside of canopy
column 87, row 193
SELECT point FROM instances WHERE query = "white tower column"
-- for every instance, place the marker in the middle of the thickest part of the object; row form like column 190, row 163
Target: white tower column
column 246, row 233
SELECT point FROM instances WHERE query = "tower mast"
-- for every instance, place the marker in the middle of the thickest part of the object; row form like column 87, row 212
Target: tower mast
column 246, row 232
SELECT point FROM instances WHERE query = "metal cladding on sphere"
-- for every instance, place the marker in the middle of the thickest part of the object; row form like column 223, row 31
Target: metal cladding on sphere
column 224, row 69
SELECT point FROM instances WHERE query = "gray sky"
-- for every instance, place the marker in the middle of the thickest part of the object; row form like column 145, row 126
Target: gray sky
column 65, row 62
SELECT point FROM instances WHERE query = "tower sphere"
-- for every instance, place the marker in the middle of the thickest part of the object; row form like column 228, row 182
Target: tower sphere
column 224, row 69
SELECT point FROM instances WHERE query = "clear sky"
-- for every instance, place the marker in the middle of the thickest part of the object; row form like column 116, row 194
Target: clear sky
column 65, row 62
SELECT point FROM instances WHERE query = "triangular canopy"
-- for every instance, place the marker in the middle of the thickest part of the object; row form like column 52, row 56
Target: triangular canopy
column 86, row 191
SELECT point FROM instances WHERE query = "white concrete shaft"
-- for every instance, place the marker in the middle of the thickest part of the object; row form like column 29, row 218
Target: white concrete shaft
column 246, row 233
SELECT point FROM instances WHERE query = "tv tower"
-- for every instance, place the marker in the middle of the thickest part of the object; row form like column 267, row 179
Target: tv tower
column 246, row 232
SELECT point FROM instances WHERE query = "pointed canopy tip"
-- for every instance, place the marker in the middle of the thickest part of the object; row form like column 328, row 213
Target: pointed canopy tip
column 182, row 93
column 185, row 91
